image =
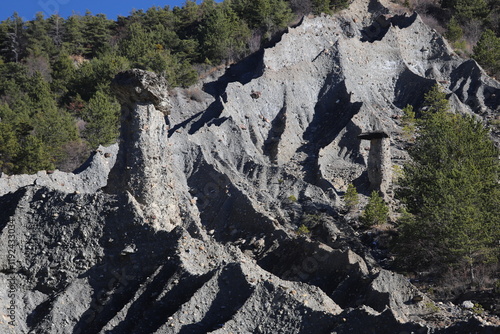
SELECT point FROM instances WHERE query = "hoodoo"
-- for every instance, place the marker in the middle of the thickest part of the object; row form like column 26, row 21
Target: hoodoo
column 220, row 214
column 379, row 160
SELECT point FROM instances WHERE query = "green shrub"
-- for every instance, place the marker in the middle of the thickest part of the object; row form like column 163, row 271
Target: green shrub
column 351, row 197
column 303, row 230
column 376, row 211
column 478, row 309
column 431, row 307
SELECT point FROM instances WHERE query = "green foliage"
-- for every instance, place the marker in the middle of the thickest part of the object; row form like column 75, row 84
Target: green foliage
column 487, row 51
column 13, row 47
column 478, row 309
column 264, row 16
column 101, row 117
column 146, row 50
column 223, row 35
column 292, row 198
column 329, row 6
column 408, row 122
column 469, row 9
column 32, row 124
column 303, row 230
column 55, row 128
column 351, row 197
column 435, row 101
column 38, row 39
column 397, row 173
column 97, row 74
column 431, row 307
column 455, row 31
column 451, row 191
column 97, row 34
column 9, row 147
column 496, row 286
column 63, row 72
column 311, row 220
column 32, row 157
column 376, row 211
column 72, row 35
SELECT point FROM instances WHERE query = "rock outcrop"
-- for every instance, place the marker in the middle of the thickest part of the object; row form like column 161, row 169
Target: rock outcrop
column 194, row 228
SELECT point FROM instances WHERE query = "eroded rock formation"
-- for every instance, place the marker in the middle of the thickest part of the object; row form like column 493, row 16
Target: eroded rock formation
column 194, row 229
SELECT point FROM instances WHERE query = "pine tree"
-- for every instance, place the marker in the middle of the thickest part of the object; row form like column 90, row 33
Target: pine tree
column 9, row 147
column 224, row 35
column 97, row 74
column 376, row 211
column 351, row 197
column 487, row 51
column 435, row 101
column 408, row 122
column 56, row 29
column 268, row 16
column 101, row 115
column 32, row 157
column 455, row 31
column 329, row 6
column 63, row 71
column 468, row 10
column 55, row 128
column 97, row 34
column 73, row 35
column 39, row 42
column 451, row 189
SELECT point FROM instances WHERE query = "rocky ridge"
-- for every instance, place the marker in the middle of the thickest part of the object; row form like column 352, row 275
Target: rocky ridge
column 193, row 228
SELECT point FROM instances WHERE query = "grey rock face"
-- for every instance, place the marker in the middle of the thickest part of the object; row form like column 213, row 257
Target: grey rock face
column 193, row 229
column 89, row 178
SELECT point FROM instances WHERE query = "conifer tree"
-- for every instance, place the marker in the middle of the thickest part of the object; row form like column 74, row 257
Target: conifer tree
column 376, row 211
column 97, row 32
column 73, row 35
column 351, row 197
column 101, row 115
column 39, row 42
column 487, row 51
column 408, row 122
column 451, row 189
column 224, row 35
column 33, row 156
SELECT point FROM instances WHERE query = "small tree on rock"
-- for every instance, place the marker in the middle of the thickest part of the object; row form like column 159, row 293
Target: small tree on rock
column 376, row 211
column 351, row 197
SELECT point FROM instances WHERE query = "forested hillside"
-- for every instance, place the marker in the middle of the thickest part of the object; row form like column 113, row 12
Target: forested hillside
column 55, row 103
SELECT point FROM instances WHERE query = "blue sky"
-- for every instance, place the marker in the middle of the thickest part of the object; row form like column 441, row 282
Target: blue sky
column 112, row 8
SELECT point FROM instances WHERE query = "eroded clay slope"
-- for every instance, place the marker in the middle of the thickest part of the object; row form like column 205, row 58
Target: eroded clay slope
column 193, row 228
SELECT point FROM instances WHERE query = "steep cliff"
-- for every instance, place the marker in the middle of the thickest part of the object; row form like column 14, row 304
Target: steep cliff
column 193, row 230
